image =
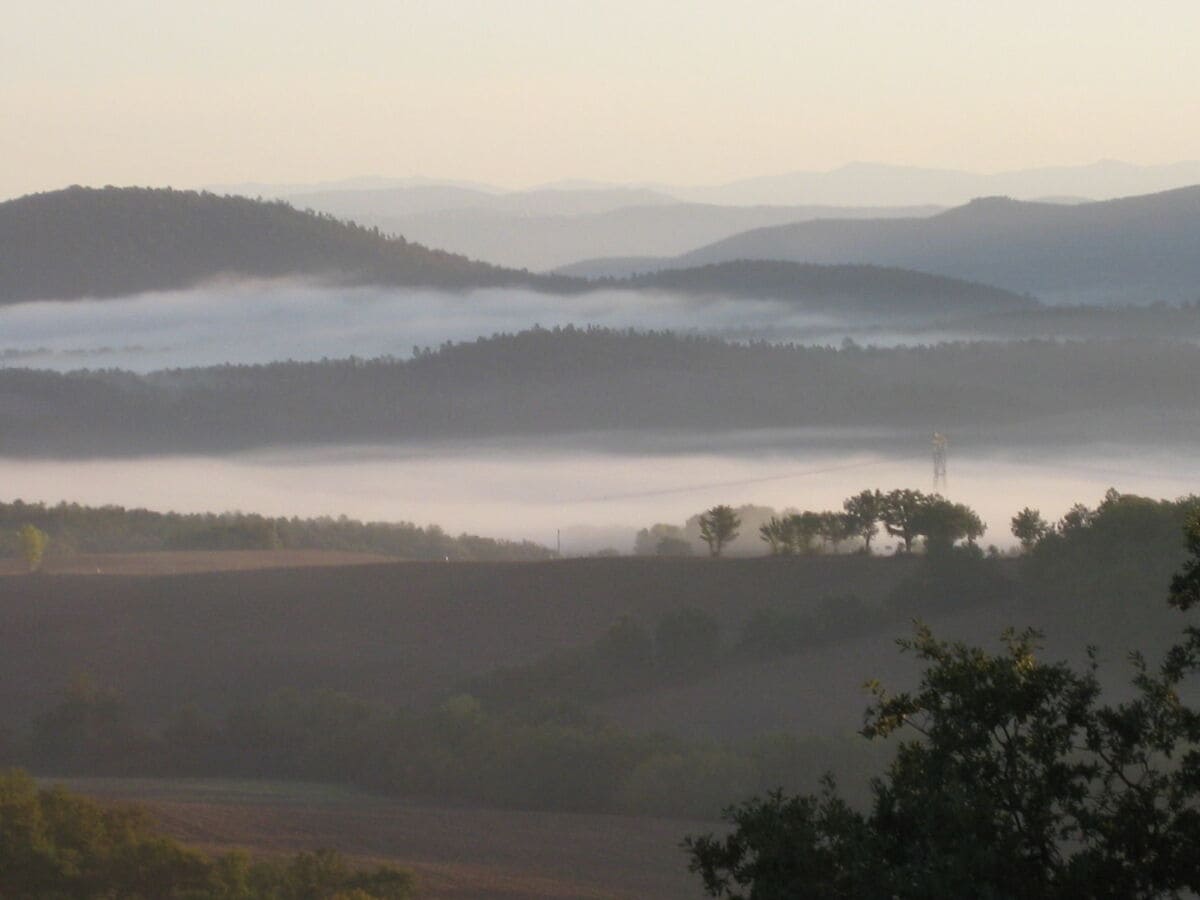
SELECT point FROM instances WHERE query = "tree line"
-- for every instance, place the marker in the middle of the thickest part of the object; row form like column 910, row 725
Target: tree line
column 31, row 530
column 566, row 380
column 906, row 514
column 464, row 749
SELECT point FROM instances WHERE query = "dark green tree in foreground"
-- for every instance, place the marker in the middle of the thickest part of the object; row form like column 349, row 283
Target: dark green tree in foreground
column 718, row 527
column 1018, row 784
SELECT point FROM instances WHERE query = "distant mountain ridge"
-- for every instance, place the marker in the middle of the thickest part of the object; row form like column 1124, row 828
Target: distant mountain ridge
column 852, row 184
column 866, row 183
column 85, row 242
column 1134, row 250
column 543, row 230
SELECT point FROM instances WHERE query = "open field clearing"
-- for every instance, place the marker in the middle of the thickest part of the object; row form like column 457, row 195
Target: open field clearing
column 457, row 853
column 178, row 562
column 400, row 632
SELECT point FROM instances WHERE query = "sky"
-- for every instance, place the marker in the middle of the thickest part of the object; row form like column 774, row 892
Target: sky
column 520, row 92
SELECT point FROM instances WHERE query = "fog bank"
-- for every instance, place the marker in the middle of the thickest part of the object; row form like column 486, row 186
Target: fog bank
column 258, row 322
column 597, row 500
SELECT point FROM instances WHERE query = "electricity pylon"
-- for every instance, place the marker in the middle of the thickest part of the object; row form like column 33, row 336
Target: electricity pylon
column 939, row 461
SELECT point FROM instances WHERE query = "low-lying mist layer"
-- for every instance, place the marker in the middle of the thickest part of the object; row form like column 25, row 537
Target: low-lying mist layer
column 597, row 500
column 246, row 322
column 259, row 322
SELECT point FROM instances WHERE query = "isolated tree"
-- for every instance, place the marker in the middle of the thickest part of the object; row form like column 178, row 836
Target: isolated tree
column 1019, row 784
column 33, row 545
column 900, row 512
column 718, row 527
column 1029, row 527
column 862, row 515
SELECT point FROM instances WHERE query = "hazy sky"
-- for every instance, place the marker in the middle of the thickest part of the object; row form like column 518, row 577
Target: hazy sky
column 522, row 91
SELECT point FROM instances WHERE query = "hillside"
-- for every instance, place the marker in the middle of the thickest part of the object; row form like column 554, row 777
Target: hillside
column 1138, row 249
column 404, row 633
column 863, row 290
column 83, row 242
column 563, row 381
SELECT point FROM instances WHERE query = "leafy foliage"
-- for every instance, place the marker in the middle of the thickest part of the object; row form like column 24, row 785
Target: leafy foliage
column 718, row 527
column 57, row 845
column 1020, row 783
column 33, row 543
column 1029, row 527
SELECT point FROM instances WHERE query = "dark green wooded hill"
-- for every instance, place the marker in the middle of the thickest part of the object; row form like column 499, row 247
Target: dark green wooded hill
column 84, row 242
column 861, row 289
column 576, row 381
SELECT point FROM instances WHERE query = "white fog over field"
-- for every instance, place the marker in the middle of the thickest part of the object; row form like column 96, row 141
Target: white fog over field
column 258, row 322
column 597, row 499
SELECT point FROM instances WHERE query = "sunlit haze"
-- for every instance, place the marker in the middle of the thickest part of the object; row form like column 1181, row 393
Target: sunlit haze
column 515, row 94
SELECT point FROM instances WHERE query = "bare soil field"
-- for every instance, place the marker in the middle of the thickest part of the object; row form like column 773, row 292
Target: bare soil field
column 176, row 562
column 456, row 853
column 403, row 633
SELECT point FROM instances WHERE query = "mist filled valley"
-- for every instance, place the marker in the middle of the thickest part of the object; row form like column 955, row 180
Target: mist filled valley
column 706, row 527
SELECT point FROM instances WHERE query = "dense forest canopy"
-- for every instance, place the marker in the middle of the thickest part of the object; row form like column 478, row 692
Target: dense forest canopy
column 559, row 381
column 86, row 242
column 883, row 291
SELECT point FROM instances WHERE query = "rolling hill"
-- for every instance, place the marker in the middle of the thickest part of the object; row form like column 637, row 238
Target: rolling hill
column 1134, row 250
column 83, row 242
column 874, row 291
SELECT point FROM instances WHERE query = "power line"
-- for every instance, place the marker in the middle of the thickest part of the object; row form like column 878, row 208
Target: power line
column 862, row 464
column 741, row 482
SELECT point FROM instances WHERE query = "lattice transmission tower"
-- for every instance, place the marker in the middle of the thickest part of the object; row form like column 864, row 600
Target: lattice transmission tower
column 939, row 461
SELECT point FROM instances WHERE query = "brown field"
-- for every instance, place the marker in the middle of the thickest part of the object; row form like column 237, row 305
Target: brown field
column 456, row 853
column 176, row 562
column 398, row 632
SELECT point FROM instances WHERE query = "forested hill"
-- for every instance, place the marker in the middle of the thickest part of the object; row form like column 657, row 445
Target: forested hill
column 562, row 381
column 1132, row 250
column 84, row 242
column 865, row 289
